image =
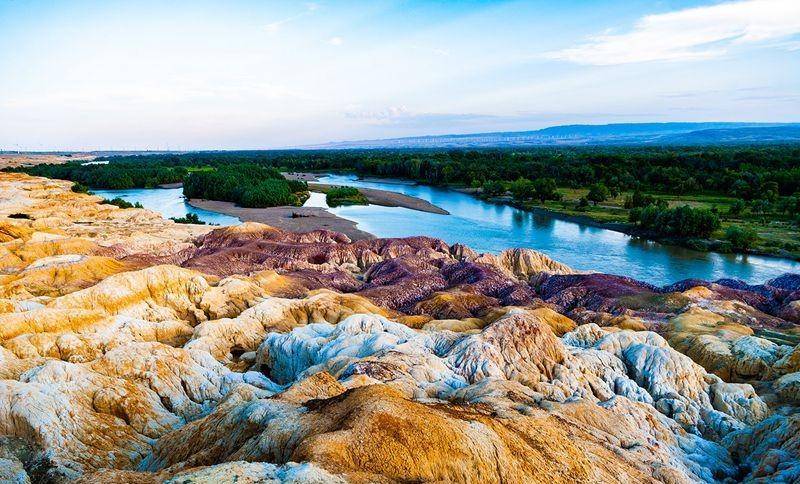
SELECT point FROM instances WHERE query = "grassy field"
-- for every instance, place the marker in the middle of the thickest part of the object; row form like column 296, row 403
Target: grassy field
column 194, row 169
column 777, row 235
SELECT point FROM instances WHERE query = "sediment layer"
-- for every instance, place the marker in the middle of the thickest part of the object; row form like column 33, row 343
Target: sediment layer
column 134, row 349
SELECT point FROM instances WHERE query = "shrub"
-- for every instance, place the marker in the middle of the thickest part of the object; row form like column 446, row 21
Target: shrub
column 635, row 215
column 79, row 188
column 190, row 218
column 345, row 196
column 121, row 203
column 296, row 186
column 736, row 208
column 638, row 200
column 741, row 238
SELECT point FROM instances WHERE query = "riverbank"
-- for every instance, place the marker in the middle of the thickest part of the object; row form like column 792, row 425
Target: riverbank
column 296, row 219
column 387, row 198
column 776, row 240
column 772, row 240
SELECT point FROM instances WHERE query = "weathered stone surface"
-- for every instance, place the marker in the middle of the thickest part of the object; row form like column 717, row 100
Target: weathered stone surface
column 133, row 349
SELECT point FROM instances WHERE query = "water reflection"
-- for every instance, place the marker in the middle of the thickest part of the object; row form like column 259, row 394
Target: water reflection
column 542, row 222
column 488, row 227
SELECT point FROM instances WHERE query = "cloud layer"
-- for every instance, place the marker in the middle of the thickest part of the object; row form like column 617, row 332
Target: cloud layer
column 692, row 34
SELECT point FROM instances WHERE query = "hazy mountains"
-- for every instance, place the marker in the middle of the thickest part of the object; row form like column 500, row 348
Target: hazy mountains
column 606, row 134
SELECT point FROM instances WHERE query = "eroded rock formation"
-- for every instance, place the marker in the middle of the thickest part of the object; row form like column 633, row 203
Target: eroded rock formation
column 133, row 349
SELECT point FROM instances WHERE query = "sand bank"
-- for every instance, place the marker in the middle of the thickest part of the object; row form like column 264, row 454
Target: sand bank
column 386, row 198
column 296, row 219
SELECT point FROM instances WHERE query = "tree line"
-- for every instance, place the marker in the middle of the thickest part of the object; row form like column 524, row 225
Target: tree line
column 119, row 175
column 765, row 179
column 745, row 172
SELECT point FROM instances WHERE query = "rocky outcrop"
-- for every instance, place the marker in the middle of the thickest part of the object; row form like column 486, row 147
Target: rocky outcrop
column 136, row 350
column 768, row 451
column 523, row 263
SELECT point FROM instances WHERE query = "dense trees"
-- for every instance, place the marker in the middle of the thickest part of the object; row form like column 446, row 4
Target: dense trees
column 244, row 184
column 683, row 221
column 117, row 175
column 740, row 171
column 746, row 172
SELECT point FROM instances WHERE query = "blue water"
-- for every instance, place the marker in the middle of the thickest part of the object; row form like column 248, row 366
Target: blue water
column 489, row 227
column 169, row 202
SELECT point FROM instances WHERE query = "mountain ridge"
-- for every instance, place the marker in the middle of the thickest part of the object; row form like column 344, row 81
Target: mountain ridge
column 592, row 134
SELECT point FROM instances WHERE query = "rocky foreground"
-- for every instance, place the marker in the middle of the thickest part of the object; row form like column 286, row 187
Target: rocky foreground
column 137, row 350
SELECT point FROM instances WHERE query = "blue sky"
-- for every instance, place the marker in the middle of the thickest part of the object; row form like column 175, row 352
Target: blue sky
column 263, row 74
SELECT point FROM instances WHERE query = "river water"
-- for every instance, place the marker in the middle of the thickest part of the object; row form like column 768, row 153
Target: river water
column 167, row 201
column 489, row 227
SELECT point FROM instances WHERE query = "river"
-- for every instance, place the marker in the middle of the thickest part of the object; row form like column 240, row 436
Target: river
column 169, row 202
column 490, row 227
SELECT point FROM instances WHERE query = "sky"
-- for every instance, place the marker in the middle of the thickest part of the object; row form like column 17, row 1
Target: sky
column 180, row 75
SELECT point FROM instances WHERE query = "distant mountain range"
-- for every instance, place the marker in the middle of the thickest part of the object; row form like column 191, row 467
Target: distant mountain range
column 587, row 134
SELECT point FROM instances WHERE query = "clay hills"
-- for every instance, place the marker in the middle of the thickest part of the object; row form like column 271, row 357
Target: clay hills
column 134, row 349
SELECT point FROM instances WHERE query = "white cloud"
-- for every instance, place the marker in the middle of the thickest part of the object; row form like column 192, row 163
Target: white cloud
column 380, row 116
column 791, row 46
column 337, row 41
column 691, row 34
column 274, row 27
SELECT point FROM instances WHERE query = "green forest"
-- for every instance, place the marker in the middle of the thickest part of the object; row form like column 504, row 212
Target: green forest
column 247, row 185
column 746, row 197
column 119, row 175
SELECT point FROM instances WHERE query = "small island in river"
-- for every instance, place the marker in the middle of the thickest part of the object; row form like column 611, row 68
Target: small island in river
column 296, row 219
